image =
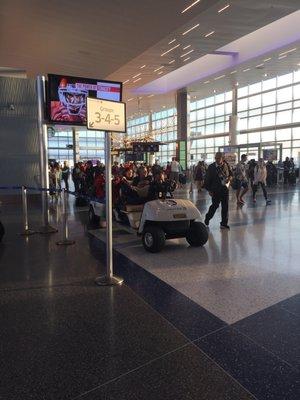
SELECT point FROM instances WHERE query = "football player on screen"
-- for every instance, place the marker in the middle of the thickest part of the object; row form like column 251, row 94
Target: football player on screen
column 71, row 105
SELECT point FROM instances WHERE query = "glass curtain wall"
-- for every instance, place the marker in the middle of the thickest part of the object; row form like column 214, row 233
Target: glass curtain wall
column 161, row 128
column 57, row 146
column 91, row 145
column 269, row 111
column 209, row 117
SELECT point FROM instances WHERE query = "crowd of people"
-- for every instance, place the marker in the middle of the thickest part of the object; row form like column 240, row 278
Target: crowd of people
column 133, row 183
column 136, row 183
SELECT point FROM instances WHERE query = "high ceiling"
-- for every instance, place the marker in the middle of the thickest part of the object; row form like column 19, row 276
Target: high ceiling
column 129, row 40
column 91, row 38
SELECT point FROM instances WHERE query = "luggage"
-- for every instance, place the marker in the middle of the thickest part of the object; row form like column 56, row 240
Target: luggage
column 182, row 179
column 81, row 201
column 292, row 178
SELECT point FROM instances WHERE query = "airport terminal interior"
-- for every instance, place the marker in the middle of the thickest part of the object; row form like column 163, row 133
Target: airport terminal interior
column 150, row 200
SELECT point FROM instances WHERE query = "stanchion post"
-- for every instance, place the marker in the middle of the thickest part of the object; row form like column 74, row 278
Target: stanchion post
column 43, row 142
column 65, row 240
column 109, row 279
column 26, row 231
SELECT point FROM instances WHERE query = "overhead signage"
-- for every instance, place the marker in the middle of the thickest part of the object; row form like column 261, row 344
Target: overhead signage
column 106, row 115
column 145, row 147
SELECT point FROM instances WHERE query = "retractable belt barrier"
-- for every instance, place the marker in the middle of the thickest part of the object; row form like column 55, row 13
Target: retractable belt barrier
column 24, row 191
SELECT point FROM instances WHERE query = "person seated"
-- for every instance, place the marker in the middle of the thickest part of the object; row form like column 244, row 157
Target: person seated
column 160, row 187
column 142, row 179
column 99, row 187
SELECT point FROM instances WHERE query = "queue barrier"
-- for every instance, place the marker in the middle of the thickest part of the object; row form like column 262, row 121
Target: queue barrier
column 26, row 230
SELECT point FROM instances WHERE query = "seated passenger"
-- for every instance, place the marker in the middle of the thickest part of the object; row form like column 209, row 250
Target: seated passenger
column 161, row 187
column 142, row 179
column 99, row 186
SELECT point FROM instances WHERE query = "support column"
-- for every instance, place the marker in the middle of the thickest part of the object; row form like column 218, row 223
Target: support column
column 233, row 122
column 183, row 127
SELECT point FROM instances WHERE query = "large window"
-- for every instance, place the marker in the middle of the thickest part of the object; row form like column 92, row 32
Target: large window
column 209, row 116
column 272, row 102
column 269, row 111
column 161, row 126
column 91, row 145
column 57, row 146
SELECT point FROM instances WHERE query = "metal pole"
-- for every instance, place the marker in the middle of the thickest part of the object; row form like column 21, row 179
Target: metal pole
column 65, row 240
column 109, row 279
column 43, row 142
column 26, row 231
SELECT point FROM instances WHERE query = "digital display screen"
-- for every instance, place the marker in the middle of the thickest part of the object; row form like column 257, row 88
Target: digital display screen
column 66, row 97
column 144, row 147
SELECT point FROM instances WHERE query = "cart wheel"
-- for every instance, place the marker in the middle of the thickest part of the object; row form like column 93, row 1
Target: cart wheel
column 197, row 234
column 93, row 218
column 153, row 239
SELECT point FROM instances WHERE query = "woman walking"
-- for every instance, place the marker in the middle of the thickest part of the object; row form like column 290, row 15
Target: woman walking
column 260, row 177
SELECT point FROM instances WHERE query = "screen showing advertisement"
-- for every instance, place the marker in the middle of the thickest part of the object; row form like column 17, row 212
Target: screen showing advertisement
column 67, row 97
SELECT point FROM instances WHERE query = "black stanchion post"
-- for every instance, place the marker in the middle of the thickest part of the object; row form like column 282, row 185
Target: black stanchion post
column 65, row 239
column 26, row 231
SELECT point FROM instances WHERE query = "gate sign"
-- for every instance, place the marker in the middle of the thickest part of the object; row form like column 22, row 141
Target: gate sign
column 106, row 115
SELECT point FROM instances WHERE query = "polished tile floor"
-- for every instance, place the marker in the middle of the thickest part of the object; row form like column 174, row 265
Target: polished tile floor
column 256, row 262
column 61, row 337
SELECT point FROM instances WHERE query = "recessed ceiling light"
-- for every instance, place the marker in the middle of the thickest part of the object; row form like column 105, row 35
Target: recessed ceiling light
column 172, row 61
column 138, row 79
column 186, row 47
column 135, row 76
column 195, row 97
column 130, row 99
column 265, row 75
column 157, row 69
column 219, row 77
column 190, row 6
column 260, row 65
column 224, row 8
column 185, row 54
column 288, row 51
column 298, row 65
column 127, row 80
column 246, row 70
column 268, row 59
column 280, row 58
column 164, row 106
column 192, row 28
column 237, row 84
column 206, row 82
column 143, row 66
column 215, row 91
column 172, row 41
column 168, row 51
column 209, row 34
column 151, row 95
column 233, row 72
column 160, row 72
column 186, row 59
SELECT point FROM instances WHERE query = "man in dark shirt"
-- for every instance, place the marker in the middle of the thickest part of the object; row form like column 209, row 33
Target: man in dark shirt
column 217, row 181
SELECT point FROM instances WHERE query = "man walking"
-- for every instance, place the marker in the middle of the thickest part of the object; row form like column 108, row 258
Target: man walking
column 217, row 181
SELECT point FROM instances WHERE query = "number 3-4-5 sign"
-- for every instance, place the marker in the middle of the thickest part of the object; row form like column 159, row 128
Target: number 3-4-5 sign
column 105, row 115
